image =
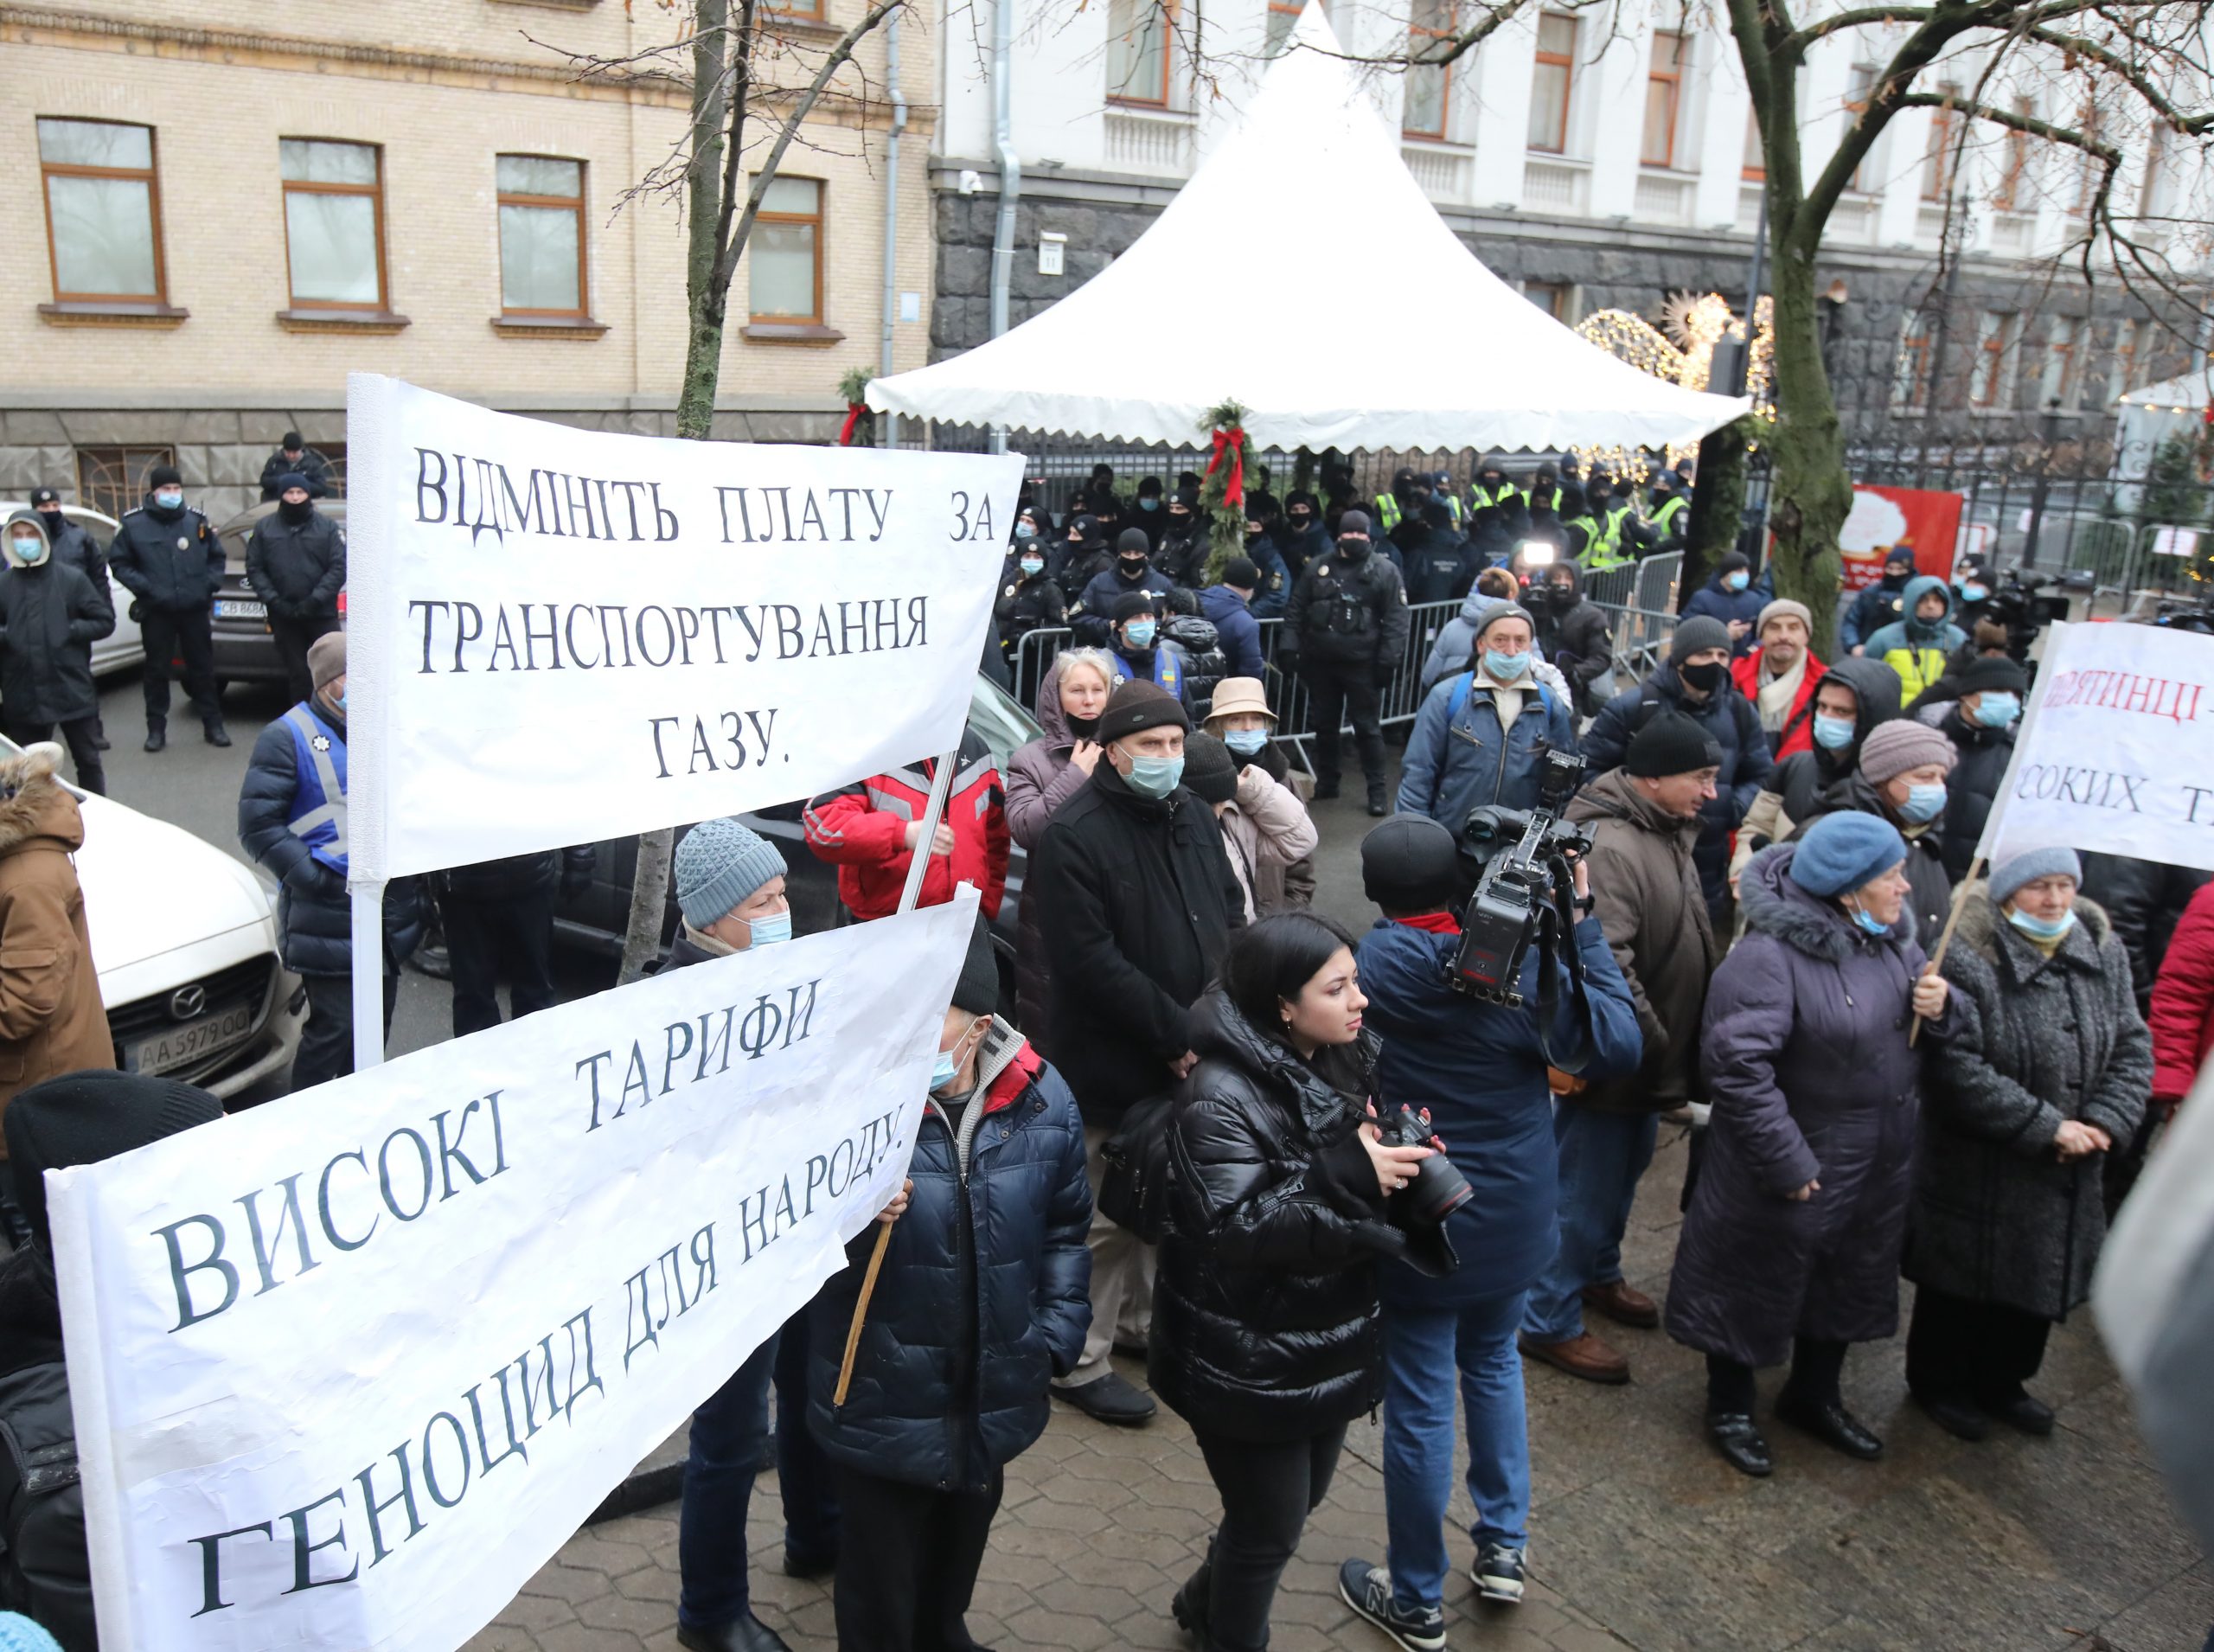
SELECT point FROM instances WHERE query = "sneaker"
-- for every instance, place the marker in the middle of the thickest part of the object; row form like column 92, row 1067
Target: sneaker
column 1109, row 1399
column 1367, row 1590
column 1498, row 1573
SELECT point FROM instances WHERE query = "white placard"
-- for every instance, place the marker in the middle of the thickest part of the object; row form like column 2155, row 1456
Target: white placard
column 429, row 1287
column 557, row 636
column 2174, row 541
column 2116, row 751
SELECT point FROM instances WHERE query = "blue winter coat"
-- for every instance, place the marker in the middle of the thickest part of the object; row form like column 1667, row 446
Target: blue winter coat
column 1479, row 1071
column 1458, row 759
column 1730, row 720
column 1273, row 594
column 983, row 1296
column 1235, row 628
column 1717, row 602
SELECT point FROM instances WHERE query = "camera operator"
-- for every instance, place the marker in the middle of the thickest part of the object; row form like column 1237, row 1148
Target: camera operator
column 1645, row 828
column 1479, row 1070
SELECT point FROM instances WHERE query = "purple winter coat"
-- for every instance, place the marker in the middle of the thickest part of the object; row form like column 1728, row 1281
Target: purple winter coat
column 1808, row 1068
column 1039, row 780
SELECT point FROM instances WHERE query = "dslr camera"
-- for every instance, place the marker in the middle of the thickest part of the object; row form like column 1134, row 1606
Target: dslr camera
column 1524, row 884
column 1437, row 1190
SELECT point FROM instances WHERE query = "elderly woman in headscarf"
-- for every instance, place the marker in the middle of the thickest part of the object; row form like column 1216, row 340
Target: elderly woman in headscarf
column 2048, row 1066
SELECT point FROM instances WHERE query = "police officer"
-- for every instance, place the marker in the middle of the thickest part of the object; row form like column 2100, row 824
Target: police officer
column 1346, row 629
column 50, row 617
column 73, row 544
column 167, row 556
column 295, row 458
column 295, row 562
column 292, row 821
column 1671, row 510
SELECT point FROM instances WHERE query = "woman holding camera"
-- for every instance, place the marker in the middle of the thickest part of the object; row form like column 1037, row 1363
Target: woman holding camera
column 1266, row 1333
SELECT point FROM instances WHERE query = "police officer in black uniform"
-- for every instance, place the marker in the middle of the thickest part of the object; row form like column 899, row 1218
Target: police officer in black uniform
column 74, row 546
column 296, row 563
column 1346, row 626
column 167, row 556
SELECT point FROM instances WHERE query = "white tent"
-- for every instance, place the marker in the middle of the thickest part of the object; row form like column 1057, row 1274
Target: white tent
column 1396, row 337
column 2146, row 418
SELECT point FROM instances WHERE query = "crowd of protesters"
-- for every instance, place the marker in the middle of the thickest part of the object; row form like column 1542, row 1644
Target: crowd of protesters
column 1189, row 1071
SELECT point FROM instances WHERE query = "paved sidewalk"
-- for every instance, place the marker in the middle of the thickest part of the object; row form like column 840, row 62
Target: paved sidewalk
column 1640, row 1537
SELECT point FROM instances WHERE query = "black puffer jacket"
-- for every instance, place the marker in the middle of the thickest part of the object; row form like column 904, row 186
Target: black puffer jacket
column 1347, row 612
column 1972, row 786
column 1577, row 636
column 169, row 560
column 50, row 617
column 298, row 568
column 1265, row 1323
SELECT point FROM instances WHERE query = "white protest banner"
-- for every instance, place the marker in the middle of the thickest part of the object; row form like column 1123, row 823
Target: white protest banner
column 349, row 1367
column 557, row 636
column 2116, row 749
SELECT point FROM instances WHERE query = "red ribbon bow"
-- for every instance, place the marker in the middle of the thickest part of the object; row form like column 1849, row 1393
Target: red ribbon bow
column 854, row 411
column 1231, row 442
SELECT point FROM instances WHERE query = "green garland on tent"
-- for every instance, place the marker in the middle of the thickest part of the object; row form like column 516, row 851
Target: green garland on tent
column 859, row 428
column 1222, row 489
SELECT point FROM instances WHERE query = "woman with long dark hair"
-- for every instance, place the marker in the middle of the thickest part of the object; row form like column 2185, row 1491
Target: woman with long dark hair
column 1266, row 1335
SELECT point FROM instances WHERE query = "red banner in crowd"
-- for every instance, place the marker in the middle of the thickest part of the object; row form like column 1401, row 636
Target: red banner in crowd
column 1928, row 523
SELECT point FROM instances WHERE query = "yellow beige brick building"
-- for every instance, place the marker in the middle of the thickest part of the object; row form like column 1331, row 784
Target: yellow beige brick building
column 217, row 209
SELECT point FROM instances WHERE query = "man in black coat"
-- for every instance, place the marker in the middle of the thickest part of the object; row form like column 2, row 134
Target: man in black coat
column 1440, row 566
column 1137, row 900
column 167, row 555
column 295, row 562
column 1574, row 635
column 295, row 458
column 72, row 544
column 1346, row 631
column 1132, row 573
column 1982, row 724
column 50, row 617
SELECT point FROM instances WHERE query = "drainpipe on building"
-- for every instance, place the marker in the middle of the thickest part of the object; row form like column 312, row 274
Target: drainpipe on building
column 1010, row 175
column 888, row 436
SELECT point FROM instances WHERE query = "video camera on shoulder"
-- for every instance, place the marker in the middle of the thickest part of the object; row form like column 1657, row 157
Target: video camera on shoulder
column 1525, row 884
column 2019, row 603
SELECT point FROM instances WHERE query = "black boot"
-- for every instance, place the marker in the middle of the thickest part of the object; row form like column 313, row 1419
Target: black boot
column 217, row 734
column 1738, row 1438
column 157, row 736
column 1189, row 1608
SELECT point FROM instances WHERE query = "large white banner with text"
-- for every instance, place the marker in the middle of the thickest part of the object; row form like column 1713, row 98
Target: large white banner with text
column 349, row 1367
column 557, row 636
column 2116, row 751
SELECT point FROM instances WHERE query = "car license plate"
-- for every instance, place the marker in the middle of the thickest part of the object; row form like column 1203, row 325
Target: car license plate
column 239, row 608
column 182, row 1046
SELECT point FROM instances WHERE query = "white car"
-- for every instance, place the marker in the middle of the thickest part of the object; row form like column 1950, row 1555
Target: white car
column 123, row 648
column 184, row 939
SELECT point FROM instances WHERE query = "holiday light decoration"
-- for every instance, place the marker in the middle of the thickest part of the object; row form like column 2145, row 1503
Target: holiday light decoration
column 1681, row 351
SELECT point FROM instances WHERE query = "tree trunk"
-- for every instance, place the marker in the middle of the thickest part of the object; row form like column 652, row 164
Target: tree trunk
column 1717, row 507
column 1810, row 493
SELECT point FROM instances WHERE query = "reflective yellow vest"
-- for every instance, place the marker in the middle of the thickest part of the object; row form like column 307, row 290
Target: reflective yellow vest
column 1387, row 512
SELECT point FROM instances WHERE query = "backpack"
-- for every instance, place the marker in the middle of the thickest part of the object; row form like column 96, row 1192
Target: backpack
column 45, row 1572
column 1134, row 1170
column 1465, row 686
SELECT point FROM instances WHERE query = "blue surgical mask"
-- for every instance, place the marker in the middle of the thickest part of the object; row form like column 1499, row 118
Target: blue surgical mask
column 768, row 929
column 2042, row 929
column 1505, row 667
column 1869, row 923
column 1246, row 742
column 27, row 550
column 1148, row 504
column 1832, row 734
column 1996, row 710
column 947, row 1067
column 1033, row 566
column 341, row 701
column 1139, row 633
column 168, row 498
column 1156, row 777
column 1974, row 592
column 1923, row 803
column 1737, row 581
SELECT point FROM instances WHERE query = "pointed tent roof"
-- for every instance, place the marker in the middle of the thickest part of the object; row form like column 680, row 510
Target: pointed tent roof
column 2192, row 392
column 1395, row 337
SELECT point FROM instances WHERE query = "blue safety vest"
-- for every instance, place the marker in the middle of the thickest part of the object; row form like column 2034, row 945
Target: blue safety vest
column 1167, row 671
column 319, row 787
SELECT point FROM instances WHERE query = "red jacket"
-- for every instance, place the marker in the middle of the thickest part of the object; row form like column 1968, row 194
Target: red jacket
column 2182, row 1001
column 1799, row 725
column 862, row 829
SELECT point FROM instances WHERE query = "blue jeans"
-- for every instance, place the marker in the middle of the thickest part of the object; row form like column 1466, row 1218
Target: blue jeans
column 1602, row 1156
column 1422, row 1350
column 729, row 1431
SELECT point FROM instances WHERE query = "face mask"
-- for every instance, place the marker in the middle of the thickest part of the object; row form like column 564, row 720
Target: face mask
column 1974, row 592
column 27, row 550
column 1353, row 549
column 1706, row 678
column 1737, row 581
column 1246, row 742
column 1032, row 566
column 1832, row 734
column 1132, row 569
column 1148, row 504
column 2042, row 929
column 942, row 1070
column 1299, row 520
column 54, row 522
column 1561, row 596
column 292, row 513
column 1156, row 777
column 168, row 498
column 1996, row 710
column 1139, row 633
column 768, row 930
column 338, row 704
column 1869, row 923
column 1923, row 803
column 1505, row 667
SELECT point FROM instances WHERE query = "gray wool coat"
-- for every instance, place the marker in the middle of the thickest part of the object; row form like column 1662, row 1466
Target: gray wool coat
column 1997, row 1217
column 1811, row 1079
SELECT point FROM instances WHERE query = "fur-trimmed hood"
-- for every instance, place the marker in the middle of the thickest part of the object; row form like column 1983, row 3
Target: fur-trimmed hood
column 1775, row 905
column 33, row 805
column 1980, row 920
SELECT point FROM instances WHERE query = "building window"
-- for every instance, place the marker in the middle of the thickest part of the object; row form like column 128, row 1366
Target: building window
column 2014, row 167
column 2061, row 384
column 1860, row 87
column 1754, row 169
column 1556, row 298
column 1552, row 79
column 1992, row 383
column 1137, row 52
column 785, row 253
column 2121, row 369
column 1664, row 90
column 542, row 236
column 1423, row 114
column 334, row 223
column 1937, row 156
column 103, row 211
column 1910, row 374
column 112, row 480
